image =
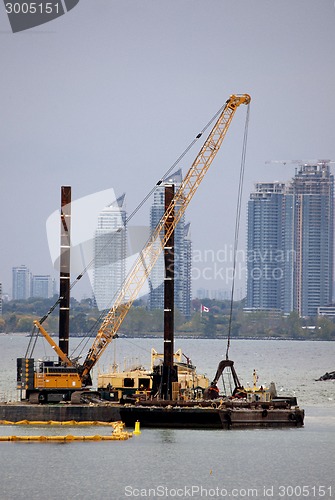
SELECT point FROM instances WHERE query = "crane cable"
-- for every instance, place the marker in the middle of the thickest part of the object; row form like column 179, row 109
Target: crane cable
column 237, row 223
column 139, row 206
column 145, row 199
column 94, row 328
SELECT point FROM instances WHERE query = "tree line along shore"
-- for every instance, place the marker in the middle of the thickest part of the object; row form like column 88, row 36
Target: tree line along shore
column 213, row 322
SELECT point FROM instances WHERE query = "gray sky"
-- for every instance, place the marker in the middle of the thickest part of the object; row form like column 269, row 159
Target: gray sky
column 109, row 95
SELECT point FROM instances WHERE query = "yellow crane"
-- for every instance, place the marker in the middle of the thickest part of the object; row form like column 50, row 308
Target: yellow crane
column 154, row 247
column 149, row 255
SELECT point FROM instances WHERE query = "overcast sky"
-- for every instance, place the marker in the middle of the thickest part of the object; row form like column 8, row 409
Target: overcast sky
column 109, row 95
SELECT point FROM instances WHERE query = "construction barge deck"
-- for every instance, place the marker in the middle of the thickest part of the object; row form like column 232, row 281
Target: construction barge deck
column 166, row 414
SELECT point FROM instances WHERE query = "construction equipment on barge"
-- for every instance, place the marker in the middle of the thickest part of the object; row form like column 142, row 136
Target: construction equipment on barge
column 67, row 379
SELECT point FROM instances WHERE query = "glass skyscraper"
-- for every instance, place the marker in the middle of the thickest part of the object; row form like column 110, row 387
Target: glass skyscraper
column 313, row 191
column 21, row 288
column 182, row 252
column 110, row 245
column 264, row 255
column 43, row 286
column 187, row 269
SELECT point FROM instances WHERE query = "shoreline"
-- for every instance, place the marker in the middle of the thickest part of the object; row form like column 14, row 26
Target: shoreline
column 179, row 336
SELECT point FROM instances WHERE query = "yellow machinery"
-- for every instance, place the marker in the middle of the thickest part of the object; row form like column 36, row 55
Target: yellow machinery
column 116, row 384
column 69, row 376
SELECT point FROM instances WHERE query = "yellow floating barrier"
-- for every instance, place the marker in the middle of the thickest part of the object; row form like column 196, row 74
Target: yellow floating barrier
column 118, row 434
column 112, row 437
column 56, row 422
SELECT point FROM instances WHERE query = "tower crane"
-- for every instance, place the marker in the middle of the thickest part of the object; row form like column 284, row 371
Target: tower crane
column 310, row 163
column 72, row 376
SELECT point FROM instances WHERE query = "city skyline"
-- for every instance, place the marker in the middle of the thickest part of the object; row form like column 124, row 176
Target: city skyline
column 136, row 94
column 26, row 285
column 263, row 190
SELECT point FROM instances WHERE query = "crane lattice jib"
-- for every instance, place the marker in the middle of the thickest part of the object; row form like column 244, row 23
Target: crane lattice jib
column 149, row 255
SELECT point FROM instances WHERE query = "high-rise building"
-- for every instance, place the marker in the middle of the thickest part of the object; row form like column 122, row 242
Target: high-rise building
column 187, row 269
column 182, row 256
column 21, row 283
column 42, row 286
column 313, row 191
column 110, row 247
column 264, row 264
column 290, row 242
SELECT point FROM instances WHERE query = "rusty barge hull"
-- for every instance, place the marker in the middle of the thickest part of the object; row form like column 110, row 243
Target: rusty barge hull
column 211, row 418
column 59, row 412
column 158, row 416
column 250, row 418
column 175, row 417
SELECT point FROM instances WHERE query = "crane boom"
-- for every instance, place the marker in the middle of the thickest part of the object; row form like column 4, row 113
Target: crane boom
column 149, row 255
column 57, row 349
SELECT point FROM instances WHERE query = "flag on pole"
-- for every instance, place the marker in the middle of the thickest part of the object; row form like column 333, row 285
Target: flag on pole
column 204, row 309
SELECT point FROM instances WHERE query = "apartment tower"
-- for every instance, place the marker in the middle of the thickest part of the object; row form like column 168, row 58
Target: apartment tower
column 182, row 252
column 110, row 247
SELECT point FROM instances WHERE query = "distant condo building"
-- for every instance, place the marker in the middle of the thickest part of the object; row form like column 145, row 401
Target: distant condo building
column 110, row 246
column 182, row 252
column 43, row 286
column 202, row 293
column 26, row 285
column 187, row 292
column 313, row 192
column 216, row 294
column 21, row 283
column 265, row 209
column 290, row 243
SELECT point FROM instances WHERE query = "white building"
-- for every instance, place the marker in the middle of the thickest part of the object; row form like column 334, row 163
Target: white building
column 182, row 255
column 42, row 286
column 21, row 288
column 110, row 250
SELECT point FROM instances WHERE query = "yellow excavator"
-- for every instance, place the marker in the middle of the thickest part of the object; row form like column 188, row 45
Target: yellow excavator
column 67, row 379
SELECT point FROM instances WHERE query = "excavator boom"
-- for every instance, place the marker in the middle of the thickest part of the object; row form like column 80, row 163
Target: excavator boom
column 149, row 255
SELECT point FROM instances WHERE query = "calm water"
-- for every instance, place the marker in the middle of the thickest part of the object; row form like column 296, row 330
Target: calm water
column 280, row 463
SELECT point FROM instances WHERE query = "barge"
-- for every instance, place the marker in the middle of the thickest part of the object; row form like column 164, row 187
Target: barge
column 168, row 396
column 167, row 414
